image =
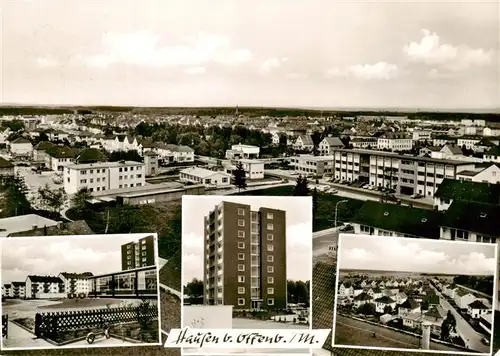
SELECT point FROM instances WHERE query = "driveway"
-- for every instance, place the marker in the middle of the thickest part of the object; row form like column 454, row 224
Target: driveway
column 473, row 337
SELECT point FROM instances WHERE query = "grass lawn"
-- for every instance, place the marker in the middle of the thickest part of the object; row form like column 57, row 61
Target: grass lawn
column 82, row 303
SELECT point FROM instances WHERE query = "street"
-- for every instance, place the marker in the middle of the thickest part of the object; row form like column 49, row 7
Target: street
column 354, row 332
column 473, row 337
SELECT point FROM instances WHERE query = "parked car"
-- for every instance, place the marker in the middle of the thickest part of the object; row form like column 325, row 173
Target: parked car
column 346, row 227
column 332, row 191
column 485, row 341
column 416, row 196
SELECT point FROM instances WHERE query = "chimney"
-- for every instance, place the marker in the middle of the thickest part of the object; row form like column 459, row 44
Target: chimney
column 426, row 335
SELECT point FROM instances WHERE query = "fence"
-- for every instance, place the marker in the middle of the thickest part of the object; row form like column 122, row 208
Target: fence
column 5, row 326
column 52, row 323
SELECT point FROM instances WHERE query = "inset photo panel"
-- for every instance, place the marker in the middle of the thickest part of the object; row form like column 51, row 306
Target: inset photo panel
column 80, row 291
column 246, row 264
column 409, row 294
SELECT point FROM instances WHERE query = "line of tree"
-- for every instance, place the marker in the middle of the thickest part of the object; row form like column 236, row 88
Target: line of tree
column 298, row 292
column 482, row 284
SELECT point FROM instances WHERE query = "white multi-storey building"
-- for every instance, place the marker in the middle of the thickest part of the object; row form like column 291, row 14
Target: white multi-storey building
column 76, row 284
column 243, row 151
column 310, row 165
column 406, row 174
column 395, row 141
column 103, row 176
column 254, row 169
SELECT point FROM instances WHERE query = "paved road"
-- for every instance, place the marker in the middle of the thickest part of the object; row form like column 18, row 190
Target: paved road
column 473, row 337
column 344, row 324
column 235, row 190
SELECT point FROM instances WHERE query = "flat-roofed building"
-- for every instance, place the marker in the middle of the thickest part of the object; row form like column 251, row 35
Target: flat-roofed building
column 206, row 177
column 310, row 165
column 103, row 176
column 407, row 174
column 254, row 169
column 243, row 151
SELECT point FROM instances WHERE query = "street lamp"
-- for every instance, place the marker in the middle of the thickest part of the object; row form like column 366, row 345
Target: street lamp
column 336, row 209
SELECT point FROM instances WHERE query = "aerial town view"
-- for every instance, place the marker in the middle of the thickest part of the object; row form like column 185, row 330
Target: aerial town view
column 386, row 114
column 403, row 294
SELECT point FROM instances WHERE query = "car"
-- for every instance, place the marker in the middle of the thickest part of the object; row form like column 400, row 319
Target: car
column 415, row 196
column 294, row 173
column 346, row 227
column 332, row 191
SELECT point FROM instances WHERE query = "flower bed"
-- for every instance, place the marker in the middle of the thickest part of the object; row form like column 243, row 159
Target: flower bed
column 28, row 323
column 133, row 331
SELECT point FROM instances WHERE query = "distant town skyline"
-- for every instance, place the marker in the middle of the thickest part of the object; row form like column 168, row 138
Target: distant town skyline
column 404, row 54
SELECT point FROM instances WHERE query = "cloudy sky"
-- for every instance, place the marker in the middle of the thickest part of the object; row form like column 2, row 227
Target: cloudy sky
column 401, row 53
column 51, row 255
column 298, row 231
column 411, row 255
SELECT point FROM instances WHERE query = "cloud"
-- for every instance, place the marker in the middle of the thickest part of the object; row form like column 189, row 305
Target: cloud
column 271, row 64
column 377, row 71
column 144, row 48
column 431, row 51
column 47, row 62
column 294, row 75
column 299, row 251
column 395, row 255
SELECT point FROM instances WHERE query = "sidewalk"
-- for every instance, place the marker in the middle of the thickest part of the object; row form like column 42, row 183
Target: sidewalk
column 18, row 337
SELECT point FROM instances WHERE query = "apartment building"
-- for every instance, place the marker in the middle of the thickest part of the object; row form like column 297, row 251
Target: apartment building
column 76, row 284
column 139, row 253
column 245, row 257
column 363, row 142
column 103, row 176
column 327, row 145
column 254, row 169
column 421, row 135
column 42, row 287
column 395, row 141
column 7, row 290
column 468, row 141
column 310, row 165
column 18, row 290
column 407, row 174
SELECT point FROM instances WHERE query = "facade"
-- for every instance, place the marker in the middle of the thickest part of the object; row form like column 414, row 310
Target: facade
column 173, row 153
column 383, row 302
column 477, row 309
column 493, row 155
column 103, row 176
column 463, row 298
column 151, row 163
column 421, row 135
column 44, row 287
column 468, row 141
column 39, row 154
column 245, row 257
column 254, row 169
column 405, row 173
column 206, row 177
column 303, row 143
column 363, row 142
column 139, row 253
column 76, row 284
column 395, row 141
column 310, row 165
column 18, row 290
column 490, row 174
column 243, row 151
column 8, row 292
column 134, row 283
column 21, row 147
column 57, row 157
column 6, row 168
column 328, row 144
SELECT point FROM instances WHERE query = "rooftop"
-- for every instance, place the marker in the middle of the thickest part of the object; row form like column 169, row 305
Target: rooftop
column 23, row 223
column 477, row 304
column 44, row 279
column 472, row 216
column 468, row 191
column 201, row 172
column 399, row 219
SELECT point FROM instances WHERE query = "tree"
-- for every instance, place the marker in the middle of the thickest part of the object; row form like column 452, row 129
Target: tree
column 194, row 289
column 15, row 196
column 79, row 202
column 51, row 200
column 301, row 186
column 388, row 309
column 448, row 325
column 315, row 201
column 239, row 176
column 367, row 309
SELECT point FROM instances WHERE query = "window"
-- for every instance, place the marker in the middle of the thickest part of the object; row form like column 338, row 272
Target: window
column 270, row 280
column 241, row 222
column 241, row 301
column 241, row 245
column 241, row 256
column 120, row 169
column 485, row 239
column 270, row 269
column 270, row 226
column 270, row 247
column 241, row 279
column 241, row 290
column 120, row 186
column 270, row 290
column 241, row 211
column 83, row 181
column 270, row 216
column 84, row 172
column 270, row 301
column 270, row 258
column 91, row 180
column 120, row 178
column 139, row 176
column 241, row 233
column 270, row 237
column 241, row 268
